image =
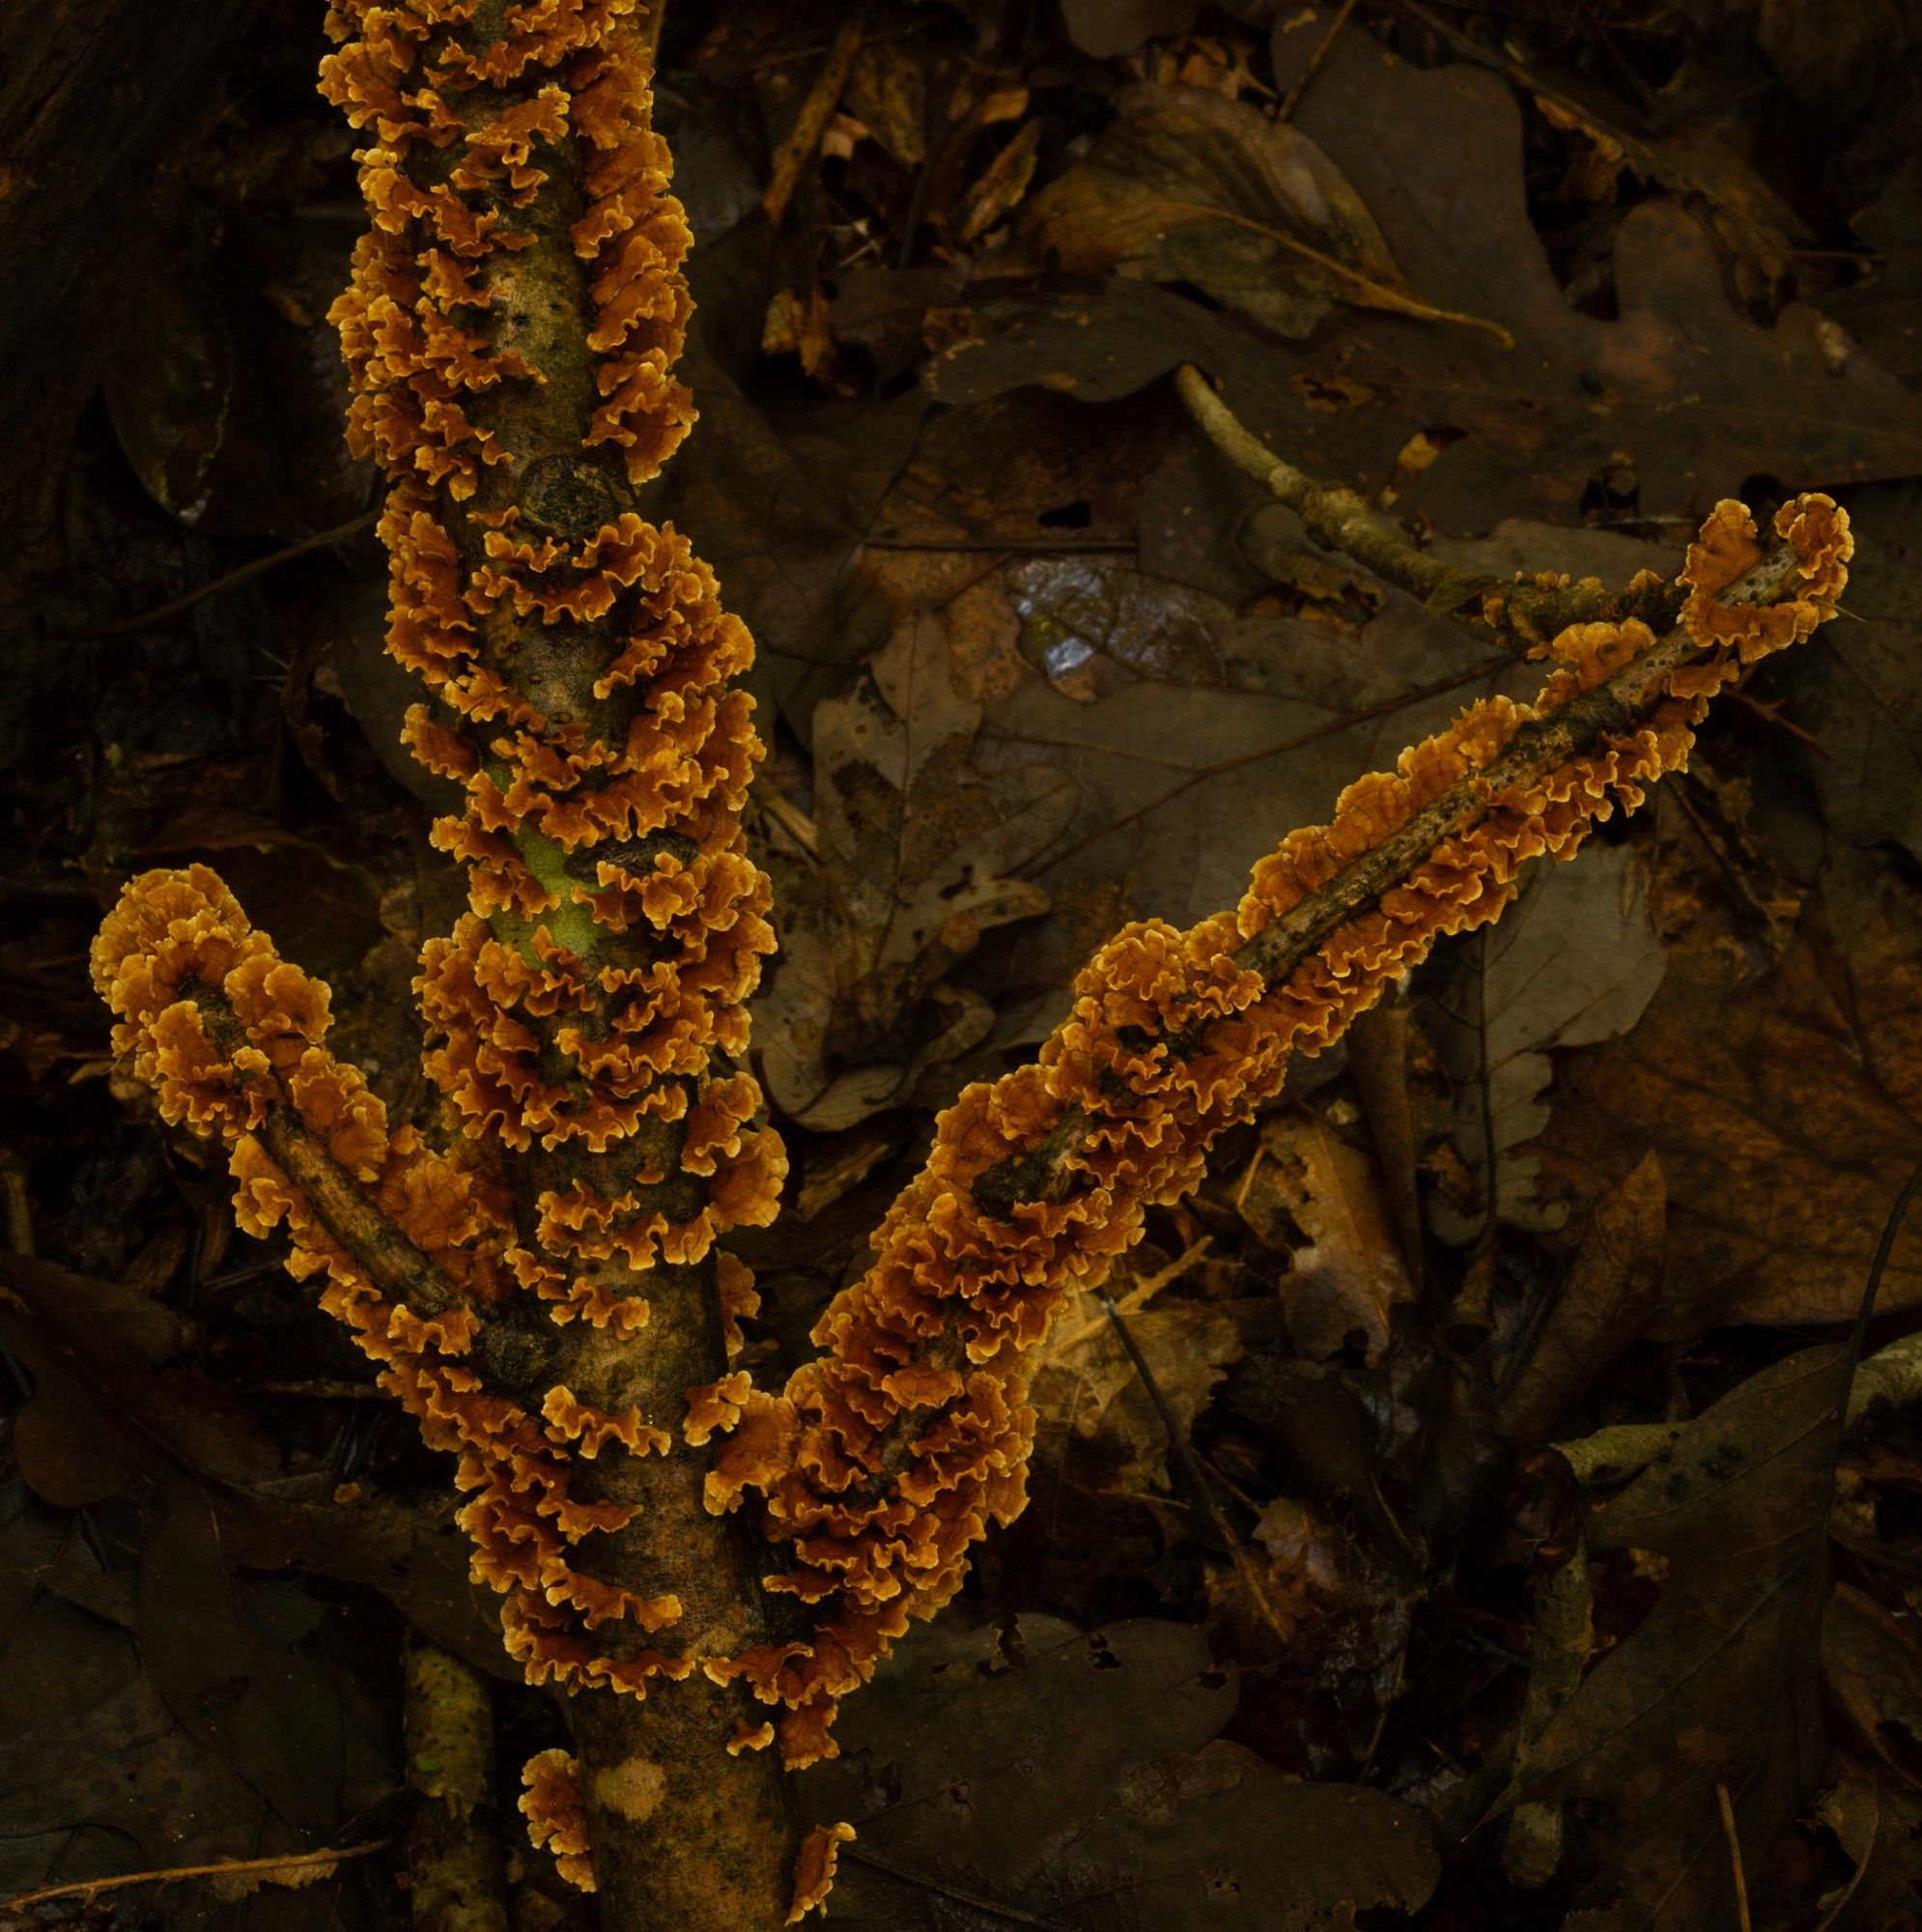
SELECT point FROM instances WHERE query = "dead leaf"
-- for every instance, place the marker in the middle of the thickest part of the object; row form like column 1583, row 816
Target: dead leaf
column 1860, row 691
column 1879, row 1826
column 1716, row 1684
column 1001, row 183
column 106, row 1420
column 1194, row 730
column 1095, row 1420
column 1188, row 186
column 1036, row 1768
column 1319, row 1199
column 1575, row 961
column 1874, row 1675
column 1106, row 28
column 1301, row 1567
column 886, row 92
column 1680, row 391
column 915, row 848
column 1610, row 1294
column 1785, row 1111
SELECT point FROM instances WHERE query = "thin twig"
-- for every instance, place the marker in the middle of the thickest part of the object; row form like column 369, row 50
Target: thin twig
column 805, row 137
column 1013, row 546
column 1008, row 1914
column 1735, row 1856
column 85, row 1888
column 124, row 626
column 1292, row 98
column 1190, row 1467
column 1337, row 519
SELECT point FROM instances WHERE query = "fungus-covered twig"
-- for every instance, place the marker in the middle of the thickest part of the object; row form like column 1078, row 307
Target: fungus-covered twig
column 884, row 1461
column 547, row 1298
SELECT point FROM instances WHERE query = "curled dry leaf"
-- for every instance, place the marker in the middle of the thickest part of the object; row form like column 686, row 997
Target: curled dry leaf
column 914, row 846
column 1001, row 183
column 1187, row 186
column 1575, row 961
column 1878, row 1826
column 1874, row 1675
column 1318, row 1198
column 1611, row 1293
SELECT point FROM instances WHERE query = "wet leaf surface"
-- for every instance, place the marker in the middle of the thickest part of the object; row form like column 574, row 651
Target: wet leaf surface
column 1041, row 1771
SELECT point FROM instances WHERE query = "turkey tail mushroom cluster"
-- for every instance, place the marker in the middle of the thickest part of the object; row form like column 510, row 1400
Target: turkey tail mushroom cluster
column 548, row 1298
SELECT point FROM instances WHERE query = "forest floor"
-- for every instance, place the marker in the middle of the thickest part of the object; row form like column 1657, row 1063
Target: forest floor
column 1471, row 1515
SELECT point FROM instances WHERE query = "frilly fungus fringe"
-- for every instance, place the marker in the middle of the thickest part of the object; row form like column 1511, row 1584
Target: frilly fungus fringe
column 547, row 1299
column 515, row 312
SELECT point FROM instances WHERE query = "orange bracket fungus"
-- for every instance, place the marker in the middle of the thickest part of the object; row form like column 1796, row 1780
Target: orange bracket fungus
column 705, row 1567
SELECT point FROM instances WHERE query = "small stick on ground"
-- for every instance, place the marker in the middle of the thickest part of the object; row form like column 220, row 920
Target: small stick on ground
column 1735, row 1857
column 269, row 1869
column 823, row 97
column 123, row 627
column 1292, row 98
column 1520, row 613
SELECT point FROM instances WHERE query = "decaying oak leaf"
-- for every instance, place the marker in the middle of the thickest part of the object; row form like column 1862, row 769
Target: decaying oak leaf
column 1787, row 1112
column 1319, row 1199
column 912, row 851
column 162, row 1711
column 1193, row 728
column 1298, row 1568
column 1105, row 28
column 1717, row 1685
column 1096, row 1424
column 106, row 1414
column 1574, row 962
column 1052, row 1775
column 1186, row 186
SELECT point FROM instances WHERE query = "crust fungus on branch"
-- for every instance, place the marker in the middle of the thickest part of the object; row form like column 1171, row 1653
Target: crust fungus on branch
column 887, row 1457
column 517, row 309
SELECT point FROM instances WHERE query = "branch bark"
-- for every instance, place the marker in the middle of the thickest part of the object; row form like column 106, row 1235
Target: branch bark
column 1520, row 613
